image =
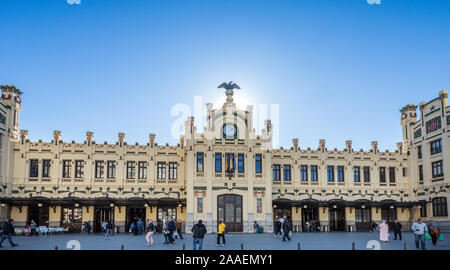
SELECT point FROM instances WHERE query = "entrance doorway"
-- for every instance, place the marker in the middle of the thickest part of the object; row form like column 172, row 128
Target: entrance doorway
column 72, row 218
column 165, row 211
column 102, row 214
column 363, row 216
column 133, row 215
column 310, row 215
column 229, row 210
column 39, row 215
column 390, row 215
column 337, row 219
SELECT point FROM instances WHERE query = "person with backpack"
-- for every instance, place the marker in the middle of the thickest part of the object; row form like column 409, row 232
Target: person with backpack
column 8, row 232
column 198, row 231
column 286, row 230
column 109, row 228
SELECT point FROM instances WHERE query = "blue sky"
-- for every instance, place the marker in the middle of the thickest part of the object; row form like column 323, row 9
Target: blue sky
column 338, row 69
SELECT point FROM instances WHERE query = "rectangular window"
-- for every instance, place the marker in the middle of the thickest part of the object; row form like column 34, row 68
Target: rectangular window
column 366, row 174
column 314, row 176
column 218, row 162
column 303, row 173
column 438, row 169
column 391, row 175
column 258, row 165
column 433, row 124
column 330, row 173
column 34, row 167
column 259, row 205
column 67, row 164
column 79, row 168
column 340, row 173
column 241, row 168
column 357, row 174
column 142, row 170
column 200, row 162
column 161, row 173
column 199, row 205
column 111, row 169
column 276, row 173
column 440, row 207
column 131, row 169
column 173, row 170
column 287, row 172
column 420, row 173
column 419, row 152
column 230, row 163
column 436, row 147
column 382, row 174
column 423, row 211
column 46, row 163
column 99, row 169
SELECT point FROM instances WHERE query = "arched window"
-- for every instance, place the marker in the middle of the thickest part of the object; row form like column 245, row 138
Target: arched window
column 440, row 207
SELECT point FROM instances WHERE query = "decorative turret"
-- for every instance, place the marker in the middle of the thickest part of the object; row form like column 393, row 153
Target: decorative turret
column 375, row 146
column 295, row 144
column 23, row 136
column 89, row 137
column 56, row 136
column 152, row 137
column 400, row 147
column 322, row 144
column 348, row 145
column 190, row 128
column 11, row 99
column 182, row 141
column 409, row 115
column 121, row 138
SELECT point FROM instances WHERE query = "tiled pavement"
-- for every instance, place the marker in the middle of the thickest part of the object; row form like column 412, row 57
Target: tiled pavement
column 308, row 241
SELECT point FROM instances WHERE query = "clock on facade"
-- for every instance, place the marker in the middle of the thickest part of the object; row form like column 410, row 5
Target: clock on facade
column 229, row 131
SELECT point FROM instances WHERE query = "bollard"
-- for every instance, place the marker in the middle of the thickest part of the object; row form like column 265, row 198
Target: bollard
column 404, row 245
column 242, row 246
column 56, row 247
column 353, row 246
column 184, row 246
column 298, row 245
column 122, row 247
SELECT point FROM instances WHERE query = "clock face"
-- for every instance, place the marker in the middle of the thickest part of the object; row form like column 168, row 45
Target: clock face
column 229, row 130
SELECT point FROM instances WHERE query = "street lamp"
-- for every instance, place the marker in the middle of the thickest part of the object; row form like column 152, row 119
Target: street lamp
column 39, row 204
column 146, row 205
column 112, row 205
column 305, row 206
column 77, row 205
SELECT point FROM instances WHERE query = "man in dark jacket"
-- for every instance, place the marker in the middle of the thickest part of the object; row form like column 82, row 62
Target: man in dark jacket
column 397, row 230
column 286, row 230
column 171, row 229
column 198, row 231
column 8, row 231
column 277, row 226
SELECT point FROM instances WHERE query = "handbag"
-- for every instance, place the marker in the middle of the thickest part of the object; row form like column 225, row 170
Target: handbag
column 427, row 236
column 441, row 237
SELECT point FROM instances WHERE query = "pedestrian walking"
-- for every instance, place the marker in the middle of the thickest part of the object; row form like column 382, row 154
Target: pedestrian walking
column 397, row 230
column 434, row 232
column 109, row 228
column 198, row 231
column 277, row 226
column 374, row 226
column 419, row 229
column 150, row 231
column 140, row 226
column 286, row 230
column 179, row 226
column 170, row 229
column 33, row 227
column 221, row 233
column 384, row 232
column 8, row 232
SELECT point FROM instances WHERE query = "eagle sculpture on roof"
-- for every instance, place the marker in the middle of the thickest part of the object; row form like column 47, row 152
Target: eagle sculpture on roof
column 229, row 86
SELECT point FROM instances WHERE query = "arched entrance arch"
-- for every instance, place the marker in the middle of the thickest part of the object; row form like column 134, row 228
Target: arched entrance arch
column 229, row 210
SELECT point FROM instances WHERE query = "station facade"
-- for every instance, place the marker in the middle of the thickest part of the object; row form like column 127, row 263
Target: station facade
column 227, row 172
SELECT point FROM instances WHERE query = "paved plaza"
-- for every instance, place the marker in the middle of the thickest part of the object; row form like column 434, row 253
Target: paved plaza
column 308, row 241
